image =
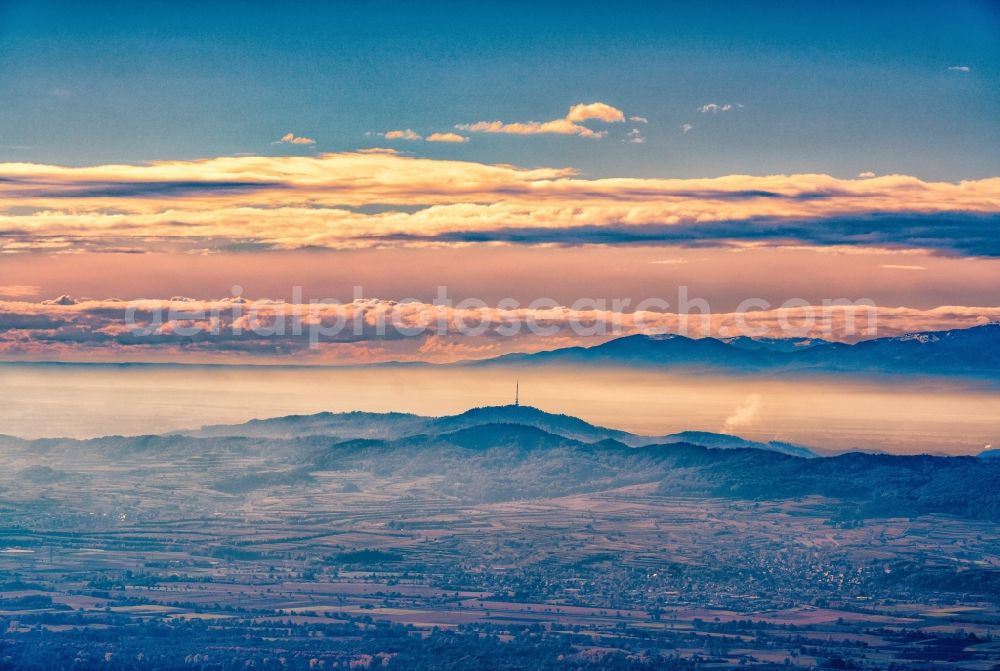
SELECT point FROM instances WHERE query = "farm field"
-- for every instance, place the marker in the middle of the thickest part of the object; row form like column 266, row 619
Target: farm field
column 338, row 578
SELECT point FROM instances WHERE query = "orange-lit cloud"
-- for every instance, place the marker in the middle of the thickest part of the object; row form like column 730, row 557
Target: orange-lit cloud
column 599, row 111
column 571, row 124
column 186, row 329
column 408, row 134
column 446, row 137
column 413, row 136
column 292, row 138
column 289, row 202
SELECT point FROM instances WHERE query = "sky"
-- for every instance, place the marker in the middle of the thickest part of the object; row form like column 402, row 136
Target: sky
column 837, row 88
column 261, row 152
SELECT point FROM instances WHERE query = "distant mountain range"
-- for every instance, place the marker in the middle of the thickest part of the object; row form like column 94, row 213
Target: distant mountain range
column 484, row 455
column 969, row 352
column 395, row 426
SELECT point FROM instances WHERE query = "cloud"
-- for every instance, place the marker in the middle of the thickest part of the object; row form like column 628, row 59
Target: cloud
column 598, row 111
column 413, row 136
column 744, row 414
column 715, row 108
column 635, row 136
column 866, row 174
column 669, row 262
column 446, row 137
column 456, row 348
column 360, row 199
column 227, row 329
column 60, row 92
column 893, row 266
column 686, row 127
column 960, row 68
column 952, row 232
column 407, row 134
column 378, row 150
column 292, row 138
column 571, row 124
column 638, row 119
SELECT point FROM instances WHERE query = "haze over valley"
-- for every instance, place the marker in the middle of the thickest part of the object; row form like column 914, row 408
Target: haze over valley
column 651, row 386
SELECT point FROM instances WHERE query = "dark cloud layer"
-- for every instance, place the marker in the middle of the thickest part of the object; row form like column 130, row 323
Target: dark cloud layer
column 945, row 232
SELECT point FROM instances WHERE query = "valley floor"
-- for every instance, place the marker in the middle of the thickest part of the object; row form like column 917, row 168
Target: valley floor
column 362, row 572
